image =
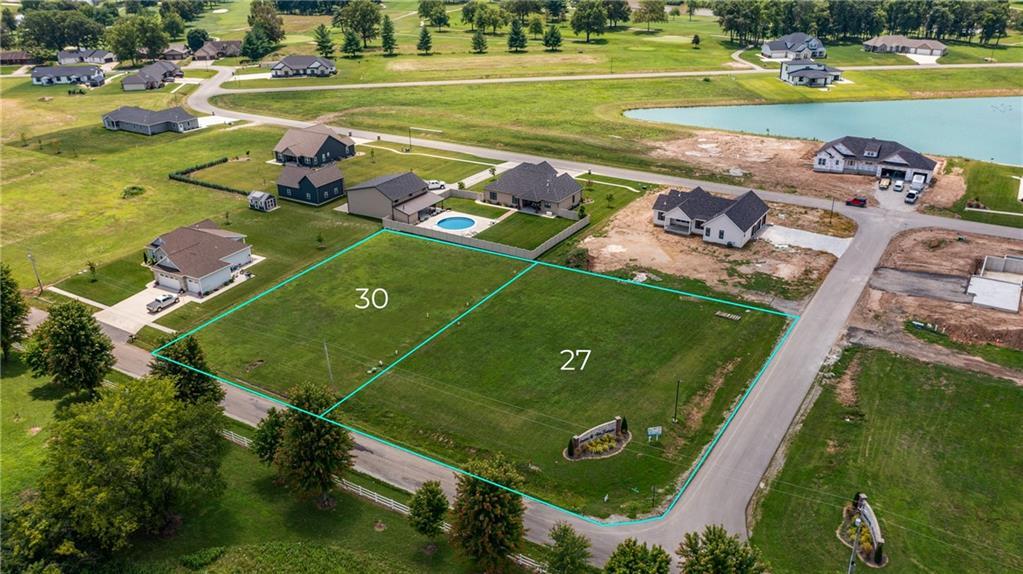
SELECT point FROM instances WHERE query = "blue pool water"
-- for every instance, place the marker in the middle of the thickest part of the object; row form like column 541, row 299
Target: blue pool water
column 989, row 129
column 455, row 223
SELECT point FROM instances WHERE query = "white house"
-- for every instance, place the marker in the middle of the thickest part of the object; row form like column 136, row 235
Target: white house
column 50, row 75
column 731, row 222
column 67, row 57
column 197, row 259
column 870, row 156
column 808, row 73
column 295, row 65
column 902, row 45
column 794, row 46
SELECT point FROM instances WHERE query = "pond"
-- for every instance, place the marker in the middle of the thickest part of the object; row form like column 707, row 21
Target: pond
column 989, row 129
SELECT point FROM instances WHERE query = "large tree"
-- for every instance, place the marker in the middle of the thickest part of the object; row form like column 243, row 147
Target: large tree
column 427, row 509
column 589, row 17
column 618, row 11
column 70, row 347
column 487, row 523
column 13, row 312
column 556, row 9
column 492, row 16
column 196, row 37
column 552, row 39
column 479, row 42
column 152, row 39
column 127, row 463
column 361, row 17
column 570, row 552
column 263, row 14
column 387, row 39
column 324, row 43
column 312, row 451
column 716, row 551
column 46, row 31
column 631, row 557
column 351, row 46
column 173, row 25
column 425, row 42
column 650, row 11
column 434, row 12
column 516, row 37
column 256, row 44
column 192, row 386
column 267, row 438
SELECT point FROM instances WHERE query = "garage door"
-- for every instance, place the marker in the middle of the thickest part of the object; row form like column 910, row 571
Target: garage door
column 169, row 282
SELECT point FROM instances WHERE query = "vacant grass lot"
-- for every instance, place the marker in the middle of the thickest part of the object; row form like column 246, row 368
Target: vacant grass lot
column 279, row 341
column 937, row 450
column 525, row 230
column 994, row 186
column 113, row 282
column 495, row 383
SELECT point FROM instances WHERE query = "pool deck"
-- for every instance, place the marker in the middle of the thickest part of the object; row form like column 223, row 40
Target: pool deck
column 480, row 223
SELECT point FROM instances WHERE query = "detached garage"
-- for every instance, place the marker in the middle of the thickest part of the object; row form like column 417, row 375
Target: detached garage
column 198, row 259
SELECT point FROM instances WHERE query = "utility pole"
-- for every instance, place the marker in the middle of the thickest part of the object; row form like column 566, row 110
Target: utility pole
column 36, row 271
column 678, row 383
column 852, row 557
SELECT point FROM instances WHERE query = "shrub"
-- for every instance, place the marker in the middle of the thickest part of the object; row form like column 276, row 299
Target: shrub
column 201, row 558
column 132, row 191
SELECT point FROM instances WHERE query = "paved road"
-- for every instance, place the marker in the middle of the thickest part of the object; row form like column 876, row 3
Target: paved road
column 722, row 488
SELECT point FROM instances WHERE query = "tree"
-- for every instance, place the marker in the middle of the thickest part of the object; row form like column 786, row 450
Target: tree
column 13, row 312
column 192, row 386
column 691, row 7
column 650, row 11
column 556, row 9
column 469, row 11
column 618, row 11
column 267, row 438
column 127, row 463
column 479, row 42
column 133, row 7
column 696, row 41
column 387, row 40
column 487, row 519
column 312, row 451
column 434, row 12
column 256, row 44
column 173, row 25
column 324, row 43
column 716, row 551
column 570, row 552
column 517, row 37
column 589, row 17
column 46, row 31
column 631, row 557
column 196, row 37
column 535, row 26
column 521, row 9
column 552, row 39
column 492, row 16
column 8, row 23
column 263, row 14
column 352, row 47
column 674, row 12
column 123, row 39
column 360, row 16
column 425, row 43
column 152, row 39
column 427, row 509
column 70, row 347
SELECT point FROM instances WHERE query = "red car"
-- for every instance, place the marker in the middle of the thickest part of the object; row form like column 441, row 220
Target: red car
column 857, row 201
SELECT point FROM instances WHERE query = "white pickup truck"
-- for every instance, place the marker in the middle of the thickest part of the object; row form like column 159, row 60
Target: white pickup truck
column 161, row 303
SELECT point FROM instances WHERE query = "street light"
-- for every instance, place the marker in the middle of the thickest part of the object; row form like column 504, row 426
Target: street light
column 678, row 383
column 36, row 271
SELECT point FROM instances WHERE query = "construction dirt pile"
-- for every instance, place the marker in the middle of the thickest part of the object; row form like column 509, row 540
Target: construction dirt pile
column 943, row 251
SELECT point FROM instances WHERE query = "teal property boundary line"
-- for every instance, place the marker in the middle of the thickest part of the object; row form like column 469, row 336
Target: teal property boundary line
column 426, row 341
column 793, row 321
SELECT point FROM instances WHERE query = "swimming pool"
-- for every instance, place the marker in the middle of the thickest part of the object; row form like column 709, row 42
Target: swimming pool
column 456, row 223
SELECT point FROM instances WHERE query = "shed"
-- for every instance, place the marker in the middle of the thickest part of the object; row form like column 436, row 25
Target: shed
column 262, row 201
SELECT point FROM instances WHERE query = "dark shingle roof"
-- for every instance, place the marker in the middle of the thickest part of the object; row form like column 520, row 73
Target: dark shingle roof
column 292, row 175
column 308, row 141
column 153, row 73
column 199, row 249
column 82, row 54
column 535, row 182
column 300, row 62
column 227, row 47
column 698, row 204
column 42, row 71
column 887, row 151
column 795, row 41
column 746, row 210
column 396, row 186
column 146, row 117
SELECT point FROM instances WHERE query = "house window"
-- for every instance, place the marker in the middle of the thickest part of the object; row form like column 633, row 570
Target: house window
column 721, row 233
column 707, row 232
column 821, row 161
column 307, row 196
column 660, row 216
column 493, row 196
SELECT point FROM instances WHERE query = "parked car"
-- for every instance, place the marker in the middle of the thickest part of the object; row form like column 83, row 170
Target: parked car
column 911, row 197
column 856, row 201
column 161, row 303
column 898, row 186
column 885, row 183
column 435, row 185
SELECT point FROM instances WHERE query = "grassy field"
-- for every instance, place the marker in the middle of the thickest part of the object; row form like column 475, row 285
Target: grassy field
column 525, row 230
column 994, row 186
column 113, row 282
column 937, row 450
column 1012, row 358
column 472, row 208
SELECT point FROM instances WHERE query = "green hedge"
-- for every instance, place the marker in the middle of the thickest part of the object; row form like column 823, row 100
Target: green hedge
column 183, row 176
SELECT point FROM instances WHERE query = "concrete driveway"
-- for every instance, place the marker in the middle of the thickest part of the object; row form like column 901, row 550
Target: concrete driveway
column 131, row 314
column 782, row 236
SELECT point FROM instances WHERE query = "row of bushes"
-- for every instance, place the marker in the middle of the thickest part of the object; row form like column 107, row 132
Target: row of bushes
column 183, row 176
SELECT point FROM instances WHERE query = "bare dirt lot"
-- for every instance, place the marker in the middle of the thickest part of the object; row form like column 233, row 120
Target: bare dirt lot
column 759, row 270
column 787, row 165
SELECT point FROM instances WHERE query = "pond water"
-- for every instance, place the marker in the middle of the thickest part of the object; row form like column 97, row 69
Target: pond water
column 989, row 129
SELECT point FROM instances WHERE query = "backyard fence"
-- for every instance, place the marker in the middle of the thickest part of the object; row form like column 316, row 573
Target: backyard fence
column 183, row 175
column 490, row 245
column 388, row 503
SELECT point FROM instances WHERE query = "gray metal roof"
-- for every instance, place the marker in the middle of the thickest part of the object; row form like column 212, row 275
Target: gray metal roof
column 397, row 187
column 698, row 204
column 535, row 182
column 142, row 116
column 887, row 151
column 292, row 175
column 81, row 54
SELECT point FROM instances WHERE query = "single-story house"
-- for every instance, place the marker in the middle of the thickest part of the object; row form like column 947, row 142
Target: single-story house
column 403, row 197
column 198, row 259
column 295, row 65
column 808, row 73
column 50, row 75
column 900, row 44
column 534, row 186
column 149, row 122
column 869, row 156
column 66, row 57
column 313, row 146
column 731, row 222
column 216, row 49
column 152, row 76
column 311, row 185
column 17, row 57
column 176, row 51
column 794, row 46
column 262, row 201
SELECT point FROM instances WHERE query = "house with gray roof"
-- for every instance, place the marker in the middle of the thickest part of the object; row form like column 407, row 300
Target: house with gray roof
column 808, row 73
column 150, row 122
column 874, row 157
column 313, row 146
column 899, row 44
column 794, row 46
column 311, row 185
column 535, row 187
column 402, row 197
column 152, row 76
column 217, row 49
column 51, row 75
column 721, row 220
column 17, row 57
column 296, row 65
column 198, row 259
column 68, row 57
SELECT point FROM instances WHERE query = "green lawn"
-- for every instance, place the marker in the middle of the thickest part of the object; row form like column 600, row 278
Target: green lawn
column 113, row 282
column 1009, row 49
column 525, row 230
column 1012, row 358
column 230, row 25
column 938, row 451
column 472, row 208
column 994, row 186
column 9, row 69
